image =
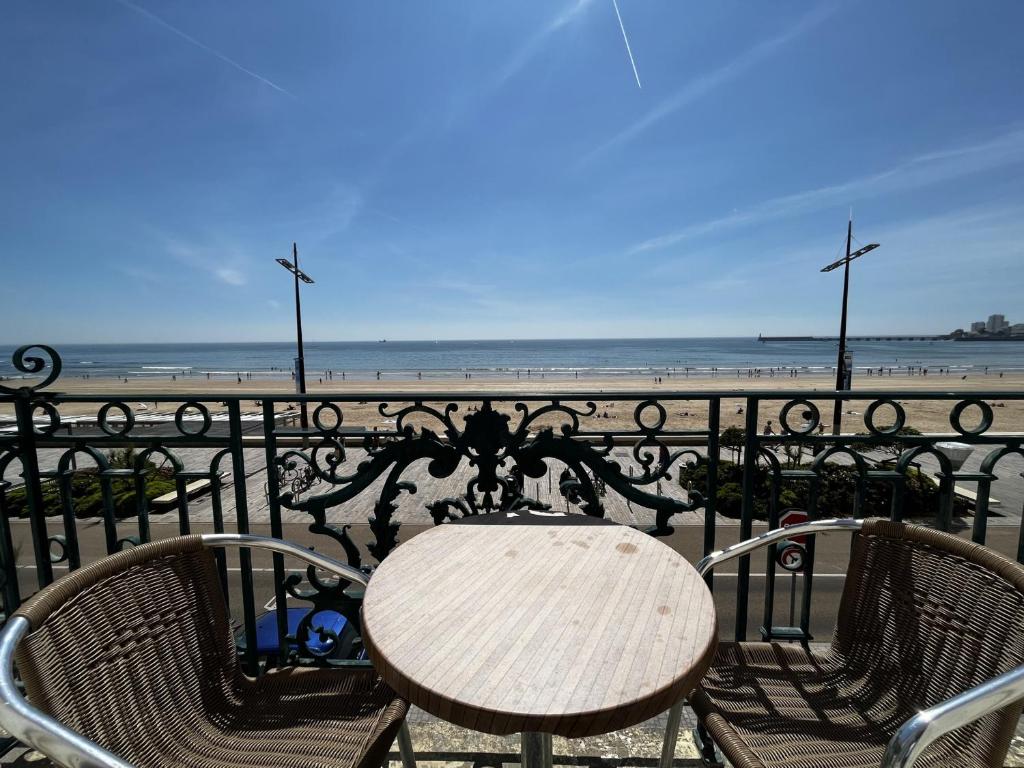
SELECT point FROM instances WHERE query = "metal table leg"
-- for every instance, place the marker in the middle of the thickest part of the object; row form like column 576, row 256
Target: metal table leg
column 668, row 748
column 405, row 746
column 536, row 750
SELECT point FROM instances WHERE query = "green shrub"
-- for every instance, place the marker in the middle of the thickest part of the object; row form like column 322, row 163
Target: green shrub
column 86, row 494
column 836, row 492
column 887, row 444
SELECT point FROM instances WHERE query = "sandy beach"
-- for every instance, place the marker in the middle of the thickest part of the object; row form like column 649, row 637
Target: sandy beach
column 930, row 416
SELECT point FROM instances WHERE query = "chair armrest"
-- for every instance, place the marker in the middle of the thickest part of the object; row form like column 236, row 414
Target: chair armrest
column 323, row 562
column 35, row 728
column 915, row 735
column 798, row 529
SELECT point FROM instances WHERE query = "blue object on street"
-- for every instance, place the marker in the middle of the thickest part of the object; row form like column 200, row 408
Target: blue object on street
column 327, row 620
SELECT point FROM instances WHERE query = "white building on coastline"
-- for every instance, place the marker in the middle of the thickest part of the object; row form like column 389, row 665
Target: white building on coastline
column 996, row 323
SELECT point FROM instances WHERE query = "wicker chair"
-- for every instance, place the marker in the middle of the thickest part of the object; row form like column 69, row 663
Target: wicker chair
column 924, row 664
column 131, row 662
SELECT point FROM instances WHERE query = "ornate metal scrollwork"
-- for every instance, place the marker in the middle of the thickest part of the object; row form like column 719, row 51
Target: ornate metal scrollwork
column 502, row 450
column 25, row 363
column 327, row 597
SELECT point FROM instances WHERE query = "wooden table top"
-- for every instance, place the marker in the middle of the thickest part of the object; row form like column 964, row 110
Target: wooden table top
column 571, row 626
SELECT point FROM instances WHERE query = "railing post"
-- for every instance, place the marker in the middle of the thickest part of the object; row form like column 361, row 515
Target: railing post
column 944, row 519
column 276, row 530
column 750, row 448
column 769, row 565
column 805, row 602
column 33, row 487
column 217, row 508
column 1020, row 535
column 180, row 483
column 899, row 489
column 70, row 523
column 980, row 528
column 142, row 503
column 714, row 449
column 242, row 516
column 109, row 516
column 12, row 594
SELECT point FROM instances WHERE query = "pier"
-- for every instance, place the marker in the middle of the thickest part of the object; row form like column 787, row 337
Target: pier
column 914, row 337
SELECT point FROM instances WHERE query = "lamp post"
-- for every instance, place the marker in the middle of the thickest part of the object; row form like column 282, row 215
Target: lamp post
column 842, row 374
column 300, row 363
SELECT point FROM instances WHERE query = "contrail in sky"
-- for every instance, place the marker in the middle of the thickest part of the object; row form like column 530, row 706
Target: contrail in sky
column 208, row 49
column 626, row 41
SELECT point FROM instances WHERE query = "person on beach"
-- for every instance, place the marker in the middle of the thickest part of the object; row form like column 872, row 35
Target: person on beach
column 768, row 429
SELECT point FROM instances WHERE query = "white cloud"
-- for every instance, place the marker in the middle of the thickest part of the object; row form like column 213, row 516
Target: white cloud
column 329, row 214
column 230, row 276
column 920, row 171
column 224, row 262
column 463, row 104
column 526, row 52
column 188, row 38
column 707, row 82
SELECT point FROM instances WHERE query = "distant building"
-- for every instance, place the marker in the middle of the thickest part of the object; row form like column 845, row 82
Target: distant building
column 978, row 327
column 996, row 323
column 1017, row 329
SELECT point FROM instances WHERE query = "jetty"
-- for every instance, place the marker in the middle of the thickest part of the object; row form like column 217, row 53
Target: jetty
column 907, row 337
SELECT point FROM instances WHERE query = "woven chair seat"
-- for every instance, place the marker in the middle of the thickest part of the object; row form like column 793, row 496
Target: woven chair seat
column 769, row 705
column 135, row 653
column 924, row 616
column 302, row 718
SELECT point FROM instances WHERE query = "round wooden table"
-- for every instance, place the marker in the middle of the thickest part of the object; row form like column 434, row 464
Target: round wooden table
column 540, row 624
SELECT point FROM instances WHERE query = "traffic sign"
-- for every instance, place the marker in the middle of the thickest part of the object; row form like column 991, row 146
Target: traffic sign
column 792, row 552
column 792, row 517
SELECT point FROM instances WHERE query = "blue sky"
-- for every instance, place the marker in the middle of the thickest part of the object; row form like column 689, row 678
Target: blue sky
column 493, row 170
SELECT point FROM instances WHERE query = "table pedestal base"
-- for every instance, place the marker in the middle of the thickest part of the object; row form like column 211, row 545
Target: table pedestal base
column 536, row 750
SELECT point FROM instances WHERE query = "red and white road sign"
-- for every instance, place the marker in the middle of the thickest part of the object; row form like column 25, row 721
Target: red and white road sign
column 792, row 517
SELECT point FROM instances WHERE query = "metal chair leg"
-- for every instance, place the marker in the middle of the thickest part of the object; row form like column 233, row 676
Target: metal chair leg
column 668, row 748
column 709, row 754
column 405, row 746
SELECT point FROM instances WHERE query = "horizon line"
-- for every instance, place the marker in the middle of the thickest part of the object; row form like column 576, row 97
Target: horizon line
column 492, row 339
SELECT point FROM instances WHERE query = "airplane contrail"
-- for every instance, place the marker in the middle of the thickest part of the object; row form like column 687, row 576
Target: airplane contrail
column 153, row 17
column 626, row 41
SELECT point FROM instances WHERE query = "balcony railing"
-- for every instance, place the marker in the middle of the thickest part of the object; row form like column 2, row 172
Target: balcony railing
column 685, row 465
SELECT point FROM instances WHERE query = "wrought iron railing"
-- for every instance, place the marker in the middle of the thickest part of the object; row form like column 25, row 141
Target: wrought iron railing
column 659, row 460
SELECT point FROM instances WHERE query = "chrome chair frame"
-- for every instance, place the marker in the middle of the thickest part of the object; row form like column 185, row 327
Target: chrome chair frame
column 916, row 734
column 64, row 746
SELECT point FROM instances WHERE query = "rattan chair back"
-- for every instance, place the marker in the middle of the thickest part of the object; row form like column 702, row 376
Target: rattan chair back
column 924, row 616
column 134, row 639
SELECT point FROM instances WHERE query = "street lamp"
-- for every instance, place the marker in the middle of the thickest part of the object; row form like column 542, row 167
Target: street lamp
column 842, row 375
column 300, row 363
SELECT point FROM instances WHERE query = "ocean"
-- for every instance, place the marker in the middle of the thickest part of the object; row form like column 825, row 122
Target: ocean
column 553, row 358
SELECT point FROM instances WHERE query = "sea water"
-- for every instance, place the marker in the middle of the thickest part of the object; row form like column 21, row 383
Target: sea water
column 512, row 359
